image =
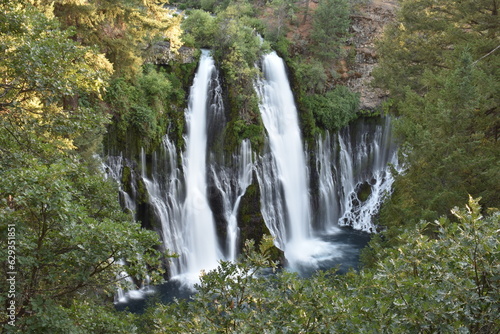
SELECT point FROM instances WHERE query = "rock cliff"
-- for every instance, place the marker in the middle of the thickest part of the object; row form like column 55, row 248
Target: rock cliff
column 367, row 26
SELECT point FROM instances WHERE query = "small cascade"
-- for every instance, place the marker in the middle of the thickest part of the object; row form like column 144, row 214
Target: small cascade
column 283, row 174
column 328, row 204
column 232, row 185
column 354, row 174
column 113, row 167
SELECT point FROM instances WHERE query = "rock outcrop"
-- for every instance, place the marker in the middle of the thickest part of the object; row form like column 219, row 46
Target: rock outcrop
column 367, row 26
column 161, row 54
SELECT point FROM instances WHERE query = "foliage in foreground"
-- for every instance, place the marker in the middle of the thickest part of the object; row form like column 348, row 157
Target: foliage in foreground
column 62, row 229
column 447, row 283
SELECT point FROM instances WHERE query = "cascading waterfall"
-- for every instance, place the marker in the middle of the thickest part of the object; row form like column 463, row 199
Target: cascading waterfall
column 232, row 187
column 350, row 169
column 201, row 248
column 360, row 177
column 284, row 178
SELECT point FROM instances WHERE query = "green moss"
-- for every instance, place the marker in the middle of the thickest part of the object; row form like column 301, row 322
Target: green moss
column 126, row 179
column 142, row 192
column 364, row 191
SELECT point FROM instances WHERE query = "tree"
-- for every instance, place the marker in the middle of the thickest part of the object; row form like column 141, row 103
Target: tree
column 123, row 30
column 43, row 69
column 276, row 16
column 201, row 26
column 330, row 28
column 440, row 65
column 426, row 35
column 66, row 229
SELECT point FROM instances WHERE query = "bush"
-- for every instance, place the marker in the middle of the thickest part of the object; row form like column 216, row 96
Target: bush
column 443, row 284
column 334, row 109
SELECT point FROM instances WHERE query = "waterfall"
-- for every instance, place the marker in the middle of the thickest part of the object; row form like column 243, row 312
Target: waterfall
column 354, row 174
column 201, row 249
column 192, row 198
column 232, row 186
column 279, row 116
column 283, row 173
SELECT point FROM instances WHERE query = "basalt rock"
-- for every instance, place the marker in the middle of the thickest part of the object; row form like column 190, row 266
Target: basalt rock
column 367, row 26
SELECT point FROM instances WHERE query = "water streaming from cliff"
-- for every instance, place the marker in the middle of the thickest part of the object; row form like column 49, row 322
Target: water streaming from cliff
column 354, row 174
column 232, row 185
column 192, row 198
column 283, row 175
column 200, row 243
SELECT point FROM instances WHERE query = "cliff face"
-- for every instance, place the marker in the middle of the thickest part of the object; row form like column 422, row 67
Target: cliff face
column 367, row 26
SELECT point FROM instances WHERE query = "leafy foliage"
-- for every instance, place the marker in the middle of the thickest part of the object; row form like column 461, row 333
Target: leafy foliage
column 334, row 109
column 200, row 25
column 145, row 108
column 446, row 283
column 69, row 229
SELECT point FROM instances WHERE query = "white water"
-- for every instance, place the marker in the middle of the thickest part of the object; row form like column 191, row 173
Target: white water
column 364, row 152
column 283, row 176
column 232, row 187
column 201, row 249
